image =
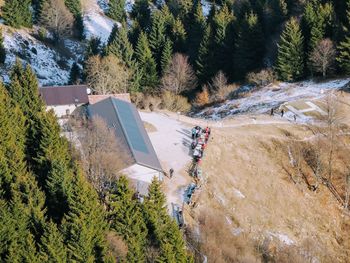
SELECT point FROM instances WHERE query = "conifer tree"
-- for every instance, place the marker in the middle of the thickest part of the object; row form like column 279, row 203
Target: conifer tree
column 141, row 13
column 178, row 36
column 290, row 62
column 250, row 46
column 157, row 37
column 167, row 53
column 116, row 10
column 2, row 49
column 74, row 75
column 197, row 25
column 163, row 230
column 120, row 46
column 23, row 89
column 220, row 46
column 344, row 47
column 146, row 62
column 203, row 58
column 126, row 219
column 84, row 225
column 17, row 13
column 75, row 8
column 52, row 248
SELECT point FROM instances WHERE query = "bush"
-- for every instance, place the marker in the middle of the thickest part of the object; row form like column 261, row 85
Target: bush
column 223, row 93
column 262, row 78
column 174, row 102
column 202, row 98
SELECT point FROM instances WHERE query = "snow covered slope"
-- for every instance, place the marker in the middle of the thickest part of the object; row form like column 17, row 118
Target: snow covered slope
column 51, row 65
column 96, row 23
column 272, row 96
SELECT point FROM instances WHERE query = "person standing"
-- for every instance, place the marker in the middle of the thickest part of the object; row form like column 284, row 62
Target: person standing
column 282, row 113
column 171, row 172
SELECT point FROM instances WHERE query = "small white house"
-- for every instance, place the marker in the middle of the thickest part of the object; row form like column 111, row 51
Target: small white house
column 124, row 118
column 64, row 99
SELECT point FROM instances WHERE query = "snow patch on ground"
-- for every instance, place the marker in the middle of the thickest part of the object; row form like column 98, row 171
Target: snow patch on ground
column 238, row 193
column 96, row 23
column 51, row 68
column 272, row 96
column 281, row 237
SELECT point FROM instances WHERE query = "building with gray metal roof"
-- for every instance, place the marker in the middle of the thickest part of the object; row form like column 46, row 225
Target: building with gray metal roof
column 124, row 118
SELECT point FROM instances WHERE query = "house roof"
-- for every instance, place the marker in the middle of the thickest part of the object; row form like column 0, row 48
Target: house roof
column 64, row 95
column 97, row 98
column 125, row 119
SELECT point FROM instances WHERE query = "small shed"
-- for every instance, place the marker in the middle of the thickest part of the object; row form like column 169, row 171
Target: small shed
column 64, row 99
column 129, row 130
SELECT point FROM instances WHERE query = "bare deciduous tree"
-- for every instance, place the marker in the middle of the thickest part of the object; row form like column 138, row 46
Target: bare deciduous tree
column 57, row 18
column 102, row 154
column 180, row 76
column 107, row 75
column 332, row 119
column 219, row 81
column 322, row 58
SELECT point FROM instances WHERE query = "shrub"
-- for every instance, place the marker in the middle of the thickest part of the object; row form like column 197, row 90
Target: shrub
column 262, row 78
column 223, row 93
column 202, row 98
column 174, row 102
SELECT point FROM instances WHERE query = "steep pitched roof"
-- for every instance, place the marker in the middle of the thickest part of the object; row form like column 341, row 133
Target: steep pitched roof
column 64, row 95
column 125, row 119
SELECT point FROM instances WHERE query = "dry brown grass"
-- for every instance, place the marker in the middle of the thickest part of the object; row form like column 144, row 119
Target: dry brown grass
column 254, row 160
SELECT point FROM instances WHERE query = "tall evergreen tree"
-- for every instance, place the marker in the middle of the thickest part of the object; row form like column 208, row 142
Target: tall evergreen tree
column 167, row 53
column 157, row 37
column 127, row 220
column 74, row 75
column 202, row 63
column 178, row 36
column 146, row 62
column 344, row 47
column 220, row 44
column 116, row 10
column 120, row 46
column 52, row 248
column 290, row 62
column 17, row 13
column 164, row 232
column 75, row 8
column 250, row 46
column 84, row 225
column 197, row 25
column 141, row 13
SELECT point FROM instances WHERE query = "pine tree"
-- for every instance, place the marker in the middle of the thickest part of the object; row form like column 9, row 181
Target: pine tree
column 75, row 8
column 116, row 10
column 197, row 25
column 74, row 75
column 127, row 220
column 120, row 46
column 17, row 13
column 141, row 13
column 250, row 46
column 146, row 61
column 23, row 89
column 164, row 232
column 84, row 225
column 167, row 53
column 52, row 248
column 220, row 44
column 344, row 47
column 2, row 49
column 290, row 62
column 157, row 37
column 203, row 58
column 178, row 36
